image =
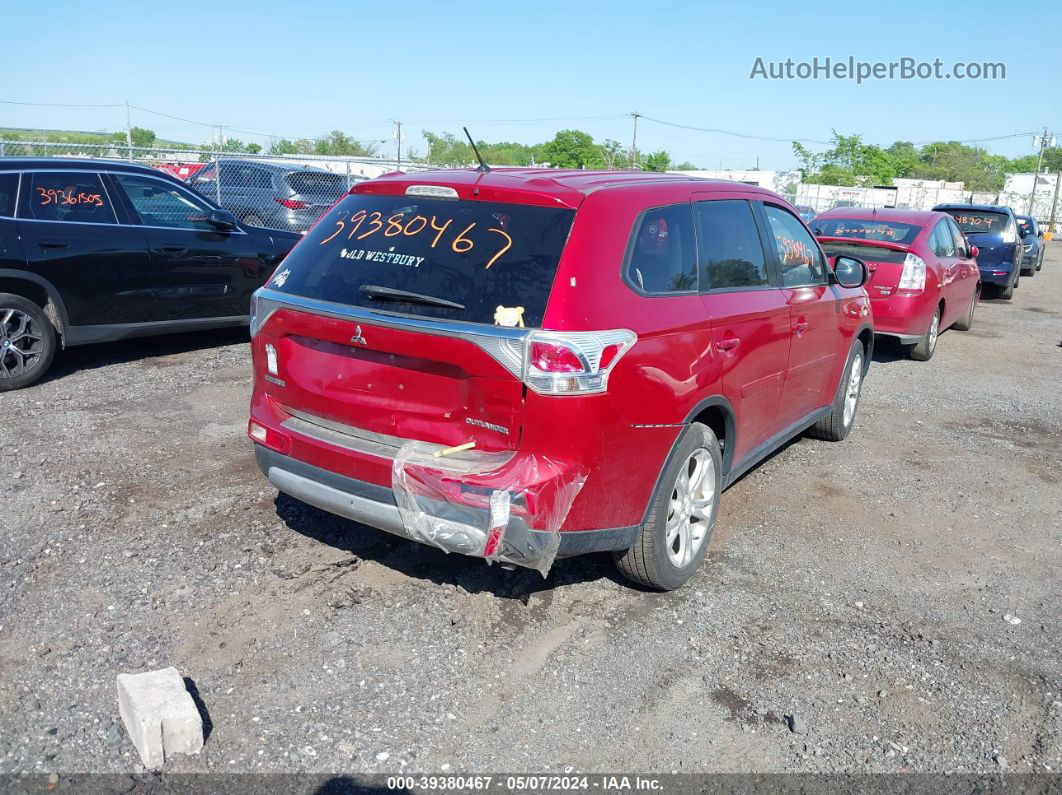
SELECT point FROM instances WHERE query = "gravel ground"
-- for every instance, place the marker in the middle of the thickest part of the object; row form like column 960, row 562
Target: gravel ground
column 853, row 615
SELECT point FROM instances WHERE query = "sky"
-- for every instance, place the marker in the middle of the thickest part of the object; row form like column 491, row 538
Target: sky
column 521, row 71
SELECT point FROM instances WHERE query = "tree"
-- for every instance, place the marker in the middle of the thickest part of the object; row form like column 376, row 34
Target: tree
column 657, row 161
column 254, row 149
column 847, row 162
column 573, row 149
column 339, row 143
column 283, row 147
column 956, row 162
column 614, row 155
column 685, row 165
column 141, row 136
column 447, row 150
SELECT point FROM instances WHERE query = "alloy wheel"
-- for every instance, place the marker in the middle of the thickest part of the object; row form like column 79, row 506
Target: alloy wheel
column 21, row 343
column 851, row 395
column 689, row 511
column 934, row 331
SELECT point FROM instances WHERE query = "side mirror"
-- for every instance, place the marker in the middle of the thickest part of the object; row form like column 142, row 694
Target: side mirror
column 850, row 272
column 1024, row 231
column 222, row 220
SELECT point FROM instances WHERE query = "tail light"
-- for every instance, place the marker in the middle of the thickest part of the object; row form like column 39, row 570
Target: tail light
column 253, row 312
column 562, row 362
column 913, row 277
column 293, row 204
column 1008, row 235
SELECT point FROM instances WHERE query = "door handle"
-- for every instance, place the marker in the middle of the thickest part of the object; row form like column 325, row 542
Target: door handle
column 54, row 244
column 800, row 326
column 728, row 344
column 175, row 249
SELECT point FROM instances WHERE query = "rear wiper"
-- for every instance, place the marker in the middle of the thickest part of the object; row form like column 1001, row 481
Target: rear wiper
column 379, row 293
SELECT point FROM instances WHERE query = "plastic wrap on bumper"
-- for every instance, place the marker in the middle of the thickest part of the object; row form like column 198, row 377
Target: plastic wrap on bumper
column 499, row 506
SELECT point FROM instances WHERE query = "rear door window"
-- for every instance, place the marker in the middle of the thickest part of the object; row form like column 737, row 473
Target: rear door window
column 481, row 262
column 160, row 204
column 662, row 255
column 70, row 196
column 962, row 248
column 942, row 241
column 8, row 194
column 730, row 250
column 799, row 257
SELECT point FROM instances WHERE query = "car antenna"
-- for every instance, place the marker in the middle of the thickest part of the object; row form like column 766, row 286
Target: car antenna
column 482, row 164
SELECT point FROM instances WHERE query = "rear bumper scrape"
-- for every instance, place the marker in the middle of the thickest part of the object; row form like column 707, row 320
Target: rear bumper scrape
column 497, row 506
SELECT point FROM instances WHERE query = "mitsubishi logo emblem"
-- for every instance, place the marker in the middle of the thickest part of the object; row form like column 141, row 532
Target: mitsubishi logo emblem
column 358, row 339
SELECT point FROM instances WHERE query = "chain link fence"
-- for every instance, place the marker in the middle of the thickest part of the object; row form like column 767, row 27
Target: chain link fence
column 277, row 191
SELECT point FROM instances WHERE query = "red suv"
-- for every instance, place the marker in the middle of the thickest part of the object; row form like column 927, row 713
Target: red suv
column 521, row 364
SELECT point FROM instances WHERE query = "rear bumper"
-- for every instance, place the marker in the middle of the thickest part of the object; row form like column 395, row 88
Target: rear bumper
column 905, row 317
column 1002, row 275
column 375, row 506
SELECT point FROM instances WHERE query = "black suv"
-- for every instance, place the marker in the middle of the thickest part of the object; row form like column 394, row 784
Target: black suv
column 94, row 251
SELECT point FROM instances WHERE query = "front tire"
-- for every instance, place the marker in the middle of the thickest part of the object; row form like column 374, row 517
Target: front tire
column 674, row 542
column 27, row 342
column 836, row 425
column 923, row 350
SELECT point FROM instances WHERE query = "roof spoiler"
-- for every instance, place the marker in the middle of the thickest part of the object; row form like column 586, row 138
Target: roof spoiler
column 863, row 241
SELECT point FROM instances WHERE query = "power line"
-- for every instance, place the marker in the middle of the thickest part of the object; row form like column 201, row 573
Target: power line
column 731, row 132
column 56, row 104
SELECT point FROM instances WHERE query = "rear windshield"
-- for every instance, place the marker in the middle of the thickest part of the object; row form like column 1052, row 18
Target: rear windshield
column 865, row 251
column 332, row 185
column 863, row 229
column 496, row 260
column 972, row 222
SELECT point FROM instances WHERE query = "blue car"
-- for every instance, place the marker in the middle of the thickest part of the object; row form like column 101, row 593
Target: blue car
column 994, row 230
column 1032, row 245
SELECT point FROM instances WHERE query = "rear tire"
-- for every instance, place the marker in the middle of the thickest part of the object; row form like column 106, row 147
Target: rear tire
column 835, row 426
column 674, row 542
column 27, row 342
column 1007, row 293
column 923, row 351
column 966, row 321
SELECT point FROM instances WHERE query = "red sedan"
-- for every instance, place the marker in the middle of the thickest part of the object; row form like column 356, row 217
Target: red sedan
column 923, row 271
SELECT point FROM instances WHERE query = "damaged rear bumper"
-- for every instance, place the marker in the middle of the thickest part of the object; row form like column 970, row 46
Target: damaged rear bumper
column 452, row 525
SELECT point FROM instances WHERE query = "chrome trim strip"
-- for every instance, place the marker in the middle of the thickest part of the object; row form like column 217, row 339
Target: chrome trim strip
column 346, row 436
column 269, row 301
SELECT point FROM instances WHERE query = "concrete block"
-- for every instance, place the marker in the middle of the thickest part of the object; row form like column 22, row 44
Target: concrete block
column 159, row 715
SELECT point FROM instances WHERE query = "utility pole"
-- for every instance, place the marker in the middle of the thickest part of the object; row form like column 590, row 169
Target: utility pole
column 398, row 144
column 634, row 140
column 1039, row 162
column 1054, row 202
column 128, row 131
